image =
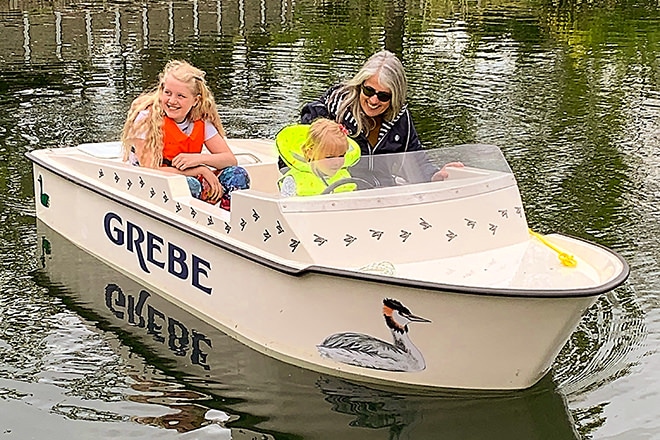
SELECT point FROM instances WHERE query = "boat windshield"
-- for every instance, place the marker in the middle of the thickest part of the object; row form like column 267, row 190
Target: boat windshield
column 385, row 170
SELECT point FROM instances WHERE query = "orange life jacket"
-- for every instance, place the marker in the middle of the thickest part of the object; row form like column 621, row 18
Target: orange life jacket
column 175, row 141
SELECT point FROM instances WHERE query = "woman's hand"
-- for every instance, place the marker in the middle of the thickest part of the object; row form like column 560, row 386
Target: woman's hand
column 184, row 161
column 443, row 174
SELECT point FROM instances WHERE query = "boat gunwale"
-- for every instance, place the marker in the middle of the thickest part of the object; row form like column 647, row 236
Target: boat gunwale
column 345, row 273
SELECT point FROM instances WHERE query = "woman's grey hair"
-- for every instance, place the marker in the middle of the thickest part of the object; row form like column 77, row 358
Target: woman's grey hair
column 390, row 73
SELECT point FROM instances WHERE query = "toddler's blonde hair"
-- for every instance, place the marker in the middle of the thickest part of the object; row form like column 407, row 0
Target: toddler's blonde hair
column 325, row 138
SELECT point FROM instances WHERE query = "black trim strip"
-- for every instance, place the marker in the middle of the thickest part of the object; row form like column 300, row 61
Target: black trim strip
column 413, row 284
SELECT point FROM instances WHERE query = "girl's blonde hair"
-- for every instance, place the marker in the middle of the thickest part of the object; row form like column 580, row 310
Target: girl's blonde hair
column 151, row 126
column 390, row 73
column 325, row 138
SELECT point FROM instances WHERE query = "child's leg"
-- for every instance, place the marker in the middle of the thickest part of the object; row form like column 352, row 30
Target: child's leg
column 195, row 186
column 231, row 179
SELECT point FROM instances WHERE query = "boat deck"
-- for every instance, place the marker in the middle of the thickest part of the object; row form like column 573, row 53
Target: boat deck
column 522, row 266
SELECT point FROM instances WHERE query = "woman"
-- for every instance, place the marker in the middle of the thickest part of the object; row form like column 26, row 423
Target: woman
column 372, row 106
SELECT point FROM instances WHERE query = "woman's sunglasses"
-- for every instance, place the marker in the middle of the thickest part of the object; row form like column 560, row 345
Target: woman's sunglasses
column 370, row 91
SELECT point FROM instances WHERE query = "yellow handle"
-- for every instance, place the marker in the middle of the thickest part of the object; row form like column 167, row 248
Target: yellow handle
column 566, row 259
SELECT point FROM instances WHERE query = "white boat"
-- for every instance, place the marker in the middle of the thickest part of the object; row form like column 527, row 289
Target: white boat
column 280, row 397
column 421, row 285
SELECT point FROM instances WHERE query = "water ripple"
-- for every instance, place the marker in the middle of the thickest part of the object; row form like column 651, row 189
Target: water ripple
column 606, row 345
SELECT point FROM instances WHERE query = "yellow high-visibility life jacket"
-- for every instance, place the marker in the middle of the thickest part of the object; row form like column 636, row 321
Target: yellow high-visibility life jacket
column 289, row 143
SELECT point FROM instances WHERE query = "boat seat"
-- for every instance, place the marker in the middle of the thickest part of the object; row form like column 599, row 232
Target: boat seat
column 263, row 177
column 102, row 150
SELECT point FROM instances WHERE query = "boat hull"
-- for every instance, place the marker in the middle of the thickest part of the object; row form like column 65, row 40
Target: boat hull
column 467, row 340
column 340, row 409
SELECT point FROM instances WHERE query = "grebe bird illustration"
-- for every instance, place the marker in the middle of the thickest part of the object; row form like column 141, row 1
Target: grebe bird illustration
column 369, row 352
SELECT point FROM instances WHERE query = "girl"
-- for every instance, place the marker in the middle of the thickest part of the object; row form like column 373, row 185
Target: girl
column 318, row 155
column 167, row 127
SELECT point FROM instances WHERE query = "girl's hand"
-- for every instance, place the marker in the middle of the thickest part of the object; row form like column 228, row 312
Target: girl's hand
column 184, row 161
column 215, row 191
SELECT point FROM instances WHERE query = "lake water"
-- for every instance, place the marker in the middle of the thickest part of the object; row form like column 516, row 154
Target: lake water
column 570, row 91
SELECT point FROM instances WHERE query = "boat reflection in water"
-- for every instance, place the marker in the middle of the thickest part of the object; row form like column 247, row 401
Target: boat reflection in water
column 261, row 394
